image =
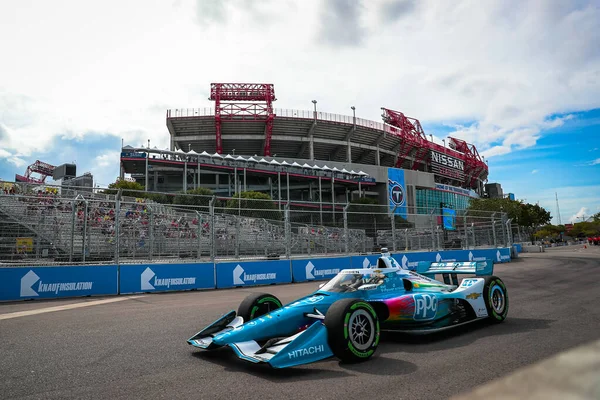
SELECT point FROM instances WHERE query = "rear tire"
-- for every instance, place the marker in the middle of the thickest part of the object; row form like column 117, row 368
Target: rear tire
column 495, row 296
column 257, row 304
column 352, row 329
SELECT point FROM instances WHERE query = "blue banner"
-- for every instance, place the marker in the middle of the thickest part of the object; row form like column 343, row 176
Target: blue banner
column 411, row 260
column 141, row 278
column 54, row 282
column 364, row 261
column 397, row 191
column 318, row 268
column 252, row 273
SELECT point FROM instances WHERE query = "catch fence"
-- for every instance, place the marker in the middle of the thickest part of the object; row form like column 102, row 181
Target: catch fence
column 94, row 227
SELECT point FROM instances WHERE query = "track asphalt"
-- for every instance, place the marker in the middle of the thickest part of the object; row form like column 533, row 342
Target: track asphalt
column 136, row 348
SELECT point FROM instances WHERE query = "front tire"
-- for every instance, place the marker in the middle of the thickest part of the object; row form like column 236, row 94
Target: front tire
column 495, row 296
column 352, row 329
column 257, row 304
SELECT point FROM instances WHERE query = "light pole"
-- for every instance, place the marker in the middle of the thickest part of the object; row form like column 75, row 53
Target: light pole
column 315, row 107
column 353, row 112
column 431, row 136
column 444, row 141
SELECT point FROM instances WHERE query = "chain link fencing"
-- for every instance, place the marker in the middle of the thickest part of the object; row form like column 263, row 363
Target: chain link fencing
column 82, row 227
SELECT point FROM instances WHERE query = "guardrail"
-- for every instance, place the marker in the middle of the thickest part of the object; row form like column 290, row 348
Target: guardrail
column 33, row 282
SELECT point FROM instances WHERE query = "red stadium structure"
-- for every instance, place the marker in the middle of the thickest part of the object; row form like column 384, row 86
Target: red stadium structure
column 244, row 102
column 44, row 169
column 415, row 144
column 474, row 165
column 413, row 138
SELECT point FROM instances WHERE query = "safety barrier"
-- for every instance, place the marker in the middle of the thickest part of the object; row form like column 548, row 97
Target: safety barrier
column 23, row 283
column 54, row 282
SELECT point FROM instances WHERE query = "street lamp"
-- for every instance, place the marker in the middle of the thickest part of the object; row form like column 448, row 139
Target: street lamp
column 444, row 141
column 315, row 105
column 431, row 136
column 353, row 111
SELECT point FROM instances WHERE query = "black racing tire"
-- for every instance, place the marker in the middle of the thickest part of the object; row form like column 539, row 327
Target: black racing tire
column 352, row 330
column 257, row 304
column 495, row 296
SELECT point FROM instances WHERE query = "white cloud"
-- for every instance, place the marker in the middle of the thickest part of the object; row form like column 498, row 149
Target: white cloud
column 106, row 160
column 535, row 171
column 595, row 162
column 581, row 215
column 506, row 67
column 12, row 158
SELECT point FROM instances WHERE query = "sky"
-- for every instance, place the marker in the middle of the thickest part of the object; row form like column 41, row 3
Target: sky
column 519, row 79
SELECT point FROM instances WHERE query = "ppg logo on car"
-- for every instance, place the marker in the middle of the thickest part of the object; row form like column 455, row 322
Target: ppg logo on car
column 425, row 306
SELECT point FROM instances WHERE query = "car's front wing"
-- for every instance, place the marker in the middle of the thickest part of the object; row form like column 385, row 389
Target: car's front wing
column 304, row 347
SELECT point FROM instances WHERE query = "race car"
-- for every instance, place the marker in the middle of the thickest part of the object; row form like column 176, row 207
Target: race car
column 345, row 316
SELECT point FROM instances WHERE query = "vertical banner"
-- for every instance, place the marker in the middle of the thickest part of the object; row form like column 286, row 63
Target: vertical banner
column 397, row 191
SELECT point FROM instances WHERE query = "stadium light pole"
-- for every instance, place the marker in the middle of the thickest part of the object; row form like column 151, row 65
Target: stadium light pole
column 315, row 107
column 431, row 136
column 348, row 145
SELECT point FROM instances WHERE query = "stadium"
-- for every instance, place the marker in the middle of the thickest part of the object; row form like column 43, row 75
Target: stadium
column 297, row 156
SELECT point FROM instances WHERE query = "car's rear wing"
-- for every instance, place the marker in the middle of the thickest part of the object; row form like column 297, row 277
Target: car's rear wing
column 452, row 269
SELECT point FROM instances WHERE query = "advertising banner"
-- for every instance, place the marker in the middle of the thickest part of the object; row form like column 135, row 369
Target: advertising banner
column 318, row 268
column 364, row 261
column 397, row 191
column 54, row 282
column 141, row 278
column 252, row 273
column 447, row 165
column 411, row 260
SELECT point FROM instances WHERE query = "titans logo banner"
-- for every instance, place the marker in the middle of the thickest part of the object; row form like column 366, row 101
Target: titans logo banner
column 397, row 191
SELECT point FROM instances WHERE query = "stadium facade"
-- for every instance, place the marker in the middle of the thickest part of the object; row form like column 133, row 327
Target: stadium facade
column 243, row 143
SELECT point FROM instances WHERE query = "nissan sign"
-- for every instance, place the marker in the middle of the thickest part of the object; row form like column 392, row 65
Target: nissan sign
column 444, row 164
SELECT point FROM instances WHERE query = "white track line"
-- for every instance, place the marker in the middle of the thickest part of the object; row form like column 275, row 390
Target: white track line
column 65, row 307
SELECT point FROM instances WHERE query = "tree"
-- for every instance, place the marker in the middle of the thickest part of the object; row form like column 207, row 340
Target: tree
column 130, row 188
column 524, row 214
column 199, row 197
column 253, row 204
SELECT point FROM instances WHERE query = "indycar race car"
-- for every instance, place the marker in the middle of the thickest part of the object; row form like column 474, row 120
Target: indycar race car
column 345, row 316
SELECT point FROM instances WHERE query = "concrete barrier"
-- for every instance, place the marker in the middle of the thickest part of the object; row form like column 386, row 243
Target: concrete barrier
column 533, row 249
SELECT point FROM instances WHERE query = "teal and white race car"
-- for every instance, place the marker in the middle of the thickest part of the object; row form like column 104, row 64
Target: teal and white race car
column 345, row 317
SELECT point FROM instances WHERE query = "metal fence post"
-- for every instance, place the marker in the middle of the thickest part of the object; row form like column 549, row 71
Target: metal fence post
column 406, row 239
column 211, row 210
column 199, row 234
column 83, row 241
column 72, row 230
column 288, row 231
column 494, row 231
column 465, row 228
column 432, row 230
column 117, row 225
column 237, row 237
column 502, row 224
column 346, row 232
column 393, row 223
column 150, row 212
column 509, row 233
